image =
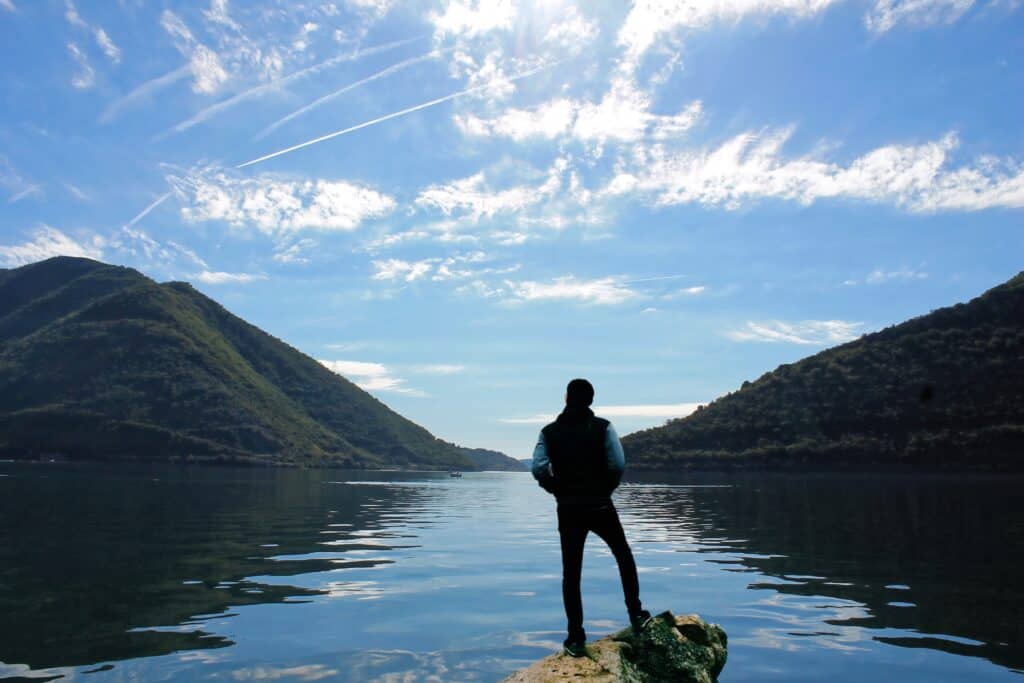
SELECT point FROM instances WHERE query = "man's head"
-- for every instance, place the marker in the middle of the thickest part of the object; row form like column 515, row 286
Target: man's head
column 579, row 393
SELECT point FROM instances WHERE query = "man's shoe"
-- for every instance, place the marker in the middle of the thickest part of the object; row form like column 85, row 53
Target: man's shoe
column 574, row 648
column 640, row 620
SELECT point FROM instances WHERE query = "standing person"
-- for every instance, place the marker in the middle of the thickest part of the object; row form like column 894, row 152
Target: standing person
column 579, row 459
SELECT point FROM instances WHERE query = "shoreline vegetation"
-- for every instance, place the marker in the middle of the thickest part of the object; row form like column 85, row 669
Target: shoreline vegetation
column 941, row 391
column 100, row 363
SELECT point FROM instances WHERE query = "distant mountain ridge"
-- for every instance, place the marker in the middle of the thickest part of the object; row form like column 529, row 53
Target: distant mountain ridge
column 945, row 389
column 99, row 361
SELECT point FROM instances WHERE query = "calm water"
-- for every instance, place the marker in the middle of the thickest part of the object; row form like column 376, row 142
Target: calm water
column 181, row 574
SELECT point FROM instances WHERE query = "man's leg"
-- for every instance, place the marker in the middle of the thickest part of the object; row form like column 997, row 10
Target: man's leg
column 573, row 533
column 606, row 524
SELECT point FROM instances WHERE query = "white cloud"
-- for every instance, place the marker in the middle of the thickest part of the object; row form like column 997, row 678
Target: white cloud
column 371, row 376
column 47, row 242
column 650, row 19
column 550, row 120
column 76, row 192
column 103, row 40
column 696, row 290
column 449, row 268
column 751, row 166
column 623, row 114
column 112, row 51
column 72, row 16
column 472, row 197
column 8, row 5
column 221, row 278
column 85, row 78
column 208, row 73
column 879, row 276
column 816, row 332
column 397, row 269
column 470, row 18
column 888, row 13
column 294, row 252
column 573, row 31
column 607, row 291
column 664, row 410
column 169, row 256
column 274, row 205
column 439, row 369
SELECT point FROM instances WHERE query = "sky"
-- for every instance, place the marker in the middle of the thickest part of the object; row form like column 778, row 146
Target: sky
column 462, row 205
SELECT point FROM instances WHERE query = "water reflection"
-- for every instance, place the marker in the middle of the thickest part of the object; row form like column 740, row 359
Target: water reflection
column 922, row 562
column 170, row 573
column 98, row 564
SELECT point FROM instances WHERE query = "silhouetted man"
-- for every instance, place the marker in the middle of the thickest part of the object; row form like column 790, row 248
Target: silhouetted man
column 579, row 459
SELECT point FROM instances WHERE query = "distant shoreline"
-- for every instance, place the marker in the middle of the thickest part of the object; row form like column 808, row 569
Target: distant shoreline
column 687, row 468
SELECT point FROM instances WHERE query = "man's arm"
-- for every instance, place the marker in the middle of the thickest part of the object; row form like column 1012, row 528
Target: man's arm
column 616, row 457
column 542, row 465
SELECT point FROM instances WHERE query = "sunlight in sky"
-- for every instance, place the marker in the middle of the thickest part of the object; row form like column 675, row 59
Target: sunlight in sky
column 460, row 205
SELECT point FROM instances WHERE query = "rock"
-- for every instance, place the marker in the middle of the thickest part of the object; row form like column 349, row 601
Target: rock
column 670, row 648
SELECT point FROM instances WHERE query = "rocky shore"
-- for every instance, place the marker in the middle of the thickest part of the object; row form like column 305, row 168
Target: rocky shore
column 670, row 648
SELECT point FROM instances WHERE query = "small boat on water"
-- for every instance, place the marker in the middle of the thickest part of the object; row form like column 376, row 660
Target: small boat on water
column 455, row 473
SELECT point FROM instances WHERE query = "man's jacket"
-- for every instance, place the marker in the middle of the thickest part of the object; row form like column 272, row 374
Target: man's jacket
column 578, row 458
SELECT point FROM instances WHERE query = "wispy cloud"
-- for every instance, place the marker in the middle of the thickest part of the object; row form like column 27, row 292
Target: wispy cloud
column 371, row 376
column 751, row 166
column 439, row 369
column 886, row 14
column 879, row 276
column 76, row 192
column 809, row 332
column 215, row 277
column 274, row 205
column 136, row 243
column 8, row 5
column 648, row 20
column 143, row 92
column 623, row 114
column 388, row 117
column 34, row 190
column 47, row 242
column 14, row 182
column 470, row 18
column 383, row 73
column 606, row 291
column 103, row 40
column 112, row 51
column 208, row 74
column 278, row 83
column 454, row 267
column 397, row 269
column 85, row 77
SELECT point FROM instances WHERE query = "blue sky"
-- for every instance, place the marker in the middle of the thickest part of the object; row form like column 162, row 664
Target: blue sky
column 462, row 205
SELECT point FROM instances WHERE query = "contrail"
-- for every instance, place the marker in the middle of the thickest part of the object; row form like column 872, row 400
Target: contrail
column 148, row 88
column 652, row 279
column 351, row 86
column 393, row 115
column 145, row 212
column 215, row 109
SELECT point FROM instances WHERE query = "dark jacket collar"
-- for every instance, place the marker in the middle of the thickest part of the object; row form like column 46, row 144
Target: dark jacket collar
column 575, row 414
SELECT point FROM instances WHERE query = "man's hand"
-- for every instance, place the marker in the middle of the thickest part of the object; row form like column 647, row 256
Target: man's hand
column 546, row 479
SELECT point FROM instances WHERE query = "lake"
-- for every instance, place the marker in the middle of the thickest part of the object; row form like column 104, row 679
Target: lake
column 164, row 573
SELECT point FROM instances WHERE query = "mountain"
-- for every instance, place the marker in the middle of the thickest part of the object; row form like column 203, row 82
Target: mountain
column 99, row 361
column 942, row 390
column 492, row 461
